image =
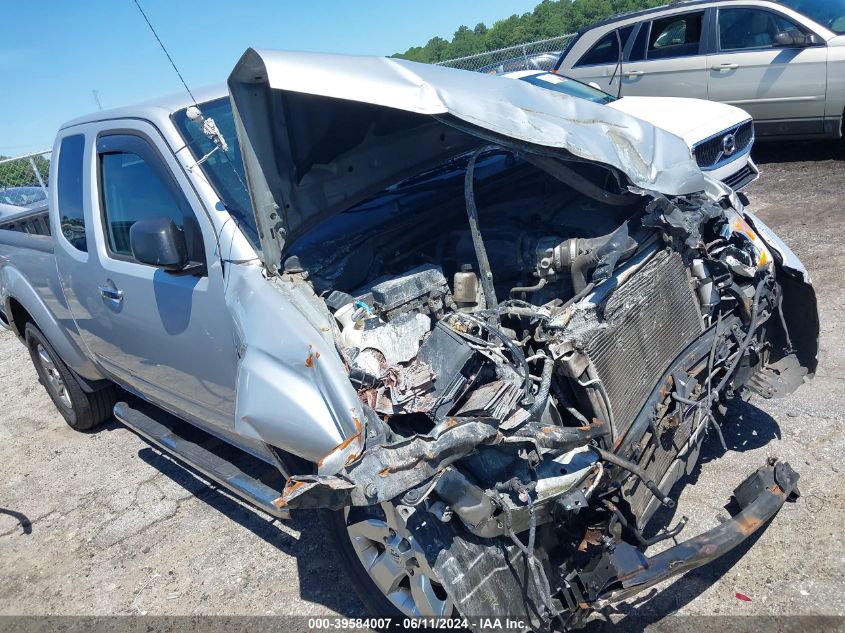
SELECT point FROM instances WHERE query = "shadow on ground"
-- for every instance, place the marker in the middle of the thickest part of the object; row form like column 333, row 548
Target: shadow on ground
column 744, row 428
column 312, row 570
column 795, row 151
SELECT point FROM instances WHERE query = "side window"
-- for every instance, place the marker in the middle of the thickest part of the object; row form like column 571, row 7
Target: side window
column 606, row 50
column 69, row 191
column 675, row 36
column 640, row 44
column 751, row 28
column 134, row 187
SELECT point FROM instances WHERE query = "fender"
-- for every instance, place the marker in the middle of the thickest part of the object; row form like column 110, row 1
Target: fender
column 293, row 391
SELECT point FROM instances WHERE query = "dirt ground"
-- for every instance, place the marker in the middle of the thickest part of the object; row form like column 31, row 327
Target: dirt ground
column 102, row 524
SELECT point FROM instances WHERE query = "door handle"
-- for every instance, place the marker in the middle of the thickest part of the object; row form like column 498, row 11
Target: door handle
column 111, row 293
column 634, row 73
column 722, row 67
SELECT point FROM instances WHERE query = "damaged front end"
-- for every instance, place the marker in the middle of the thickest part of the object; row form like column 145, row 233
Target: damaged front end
column 540, row 345
column 529, row 443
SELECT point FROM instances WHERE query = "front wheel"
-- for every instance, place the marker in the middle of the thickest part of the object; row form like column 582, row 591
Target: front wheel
column 387, row 566
column 81, row 410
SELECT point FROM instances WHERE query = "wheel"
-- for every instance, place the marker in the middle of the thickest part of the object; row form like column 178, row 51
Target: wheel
column 387, row 566
column 81, row 410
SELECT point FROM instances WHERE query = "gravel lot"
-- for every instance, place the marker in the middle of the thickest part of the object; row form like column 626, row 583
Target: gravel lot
column 102, row 524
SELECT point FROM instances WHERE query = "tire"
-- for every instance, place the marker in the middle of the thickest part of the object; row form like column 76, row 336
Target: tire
column 81, row 410
column 376, row 602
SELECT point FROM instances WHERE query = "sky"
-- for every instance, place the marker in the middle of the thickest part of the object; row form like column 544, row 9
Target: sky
column 54, row 54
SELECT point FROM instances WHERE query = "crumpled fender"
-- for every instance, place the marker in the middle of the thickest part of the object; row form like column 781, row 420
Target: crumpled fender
column 292, row 392
column 800, row 306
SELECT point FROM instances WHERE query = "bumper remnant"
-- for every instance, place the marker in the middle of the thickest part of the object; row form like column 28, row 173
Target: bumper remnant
column 629, row 572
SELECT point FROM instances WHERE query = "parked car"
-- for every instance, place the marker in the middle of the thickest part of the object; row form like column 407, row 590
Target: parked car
column 720, row 136
column 14, row 200
column 409, row 289
column 535, row 61
column 782, row 62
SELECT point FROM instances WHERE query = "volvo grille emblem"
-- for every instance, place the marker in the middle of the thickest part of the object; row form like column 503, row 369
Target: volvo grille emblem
column 729, row 144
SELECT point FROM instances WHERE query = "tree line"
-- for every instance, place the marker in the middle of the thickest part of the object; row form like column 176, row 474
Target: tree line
column 550, row 18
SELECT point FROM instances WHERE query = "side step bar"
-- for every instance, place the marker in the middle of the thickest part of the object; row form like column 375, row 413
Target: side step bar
column 204, row 461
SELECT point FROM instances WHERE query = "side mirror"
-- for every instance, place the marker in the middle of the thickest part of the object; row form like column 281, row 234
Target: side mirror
column 159, row 242
column 796, row 38
column 786, row 38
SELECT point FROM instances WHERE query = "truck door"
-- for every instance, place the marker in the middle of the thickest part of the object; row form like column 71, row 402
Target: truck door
column 167, row 336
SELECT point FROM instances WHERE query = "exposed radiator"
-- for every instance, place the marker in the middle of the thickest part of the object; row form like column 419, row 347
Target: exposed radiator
column 643, row 326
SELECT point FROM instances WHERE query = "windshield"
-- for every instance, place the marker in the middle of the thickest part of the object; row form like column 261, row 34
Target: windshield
column 829, row 13
column 22, row 196
column 570, row 87
column 224, row 170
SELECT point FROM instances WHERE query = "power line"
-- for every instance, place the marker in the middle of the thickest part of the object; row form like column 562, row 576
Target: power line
column 160, row 43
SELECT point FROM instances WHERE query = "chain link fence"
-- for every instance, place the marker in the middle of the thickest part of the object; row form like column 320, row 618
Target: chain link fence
column 539, row 55
column 23, row 179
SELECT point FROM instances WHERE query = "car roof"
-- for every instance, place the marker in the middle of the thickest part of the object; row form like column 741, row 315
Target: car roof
column 676, row 4
column 166, row 104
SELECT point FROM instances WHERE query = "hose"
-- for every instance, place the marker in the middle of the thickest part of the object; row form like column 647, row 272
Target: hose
column 575, row 299
column 477, row 241
column 752, row 328
column 635, row 470
column 616, row 246
column 645, row 542
column 542, row 396
column 527, row 289
column 580, row 266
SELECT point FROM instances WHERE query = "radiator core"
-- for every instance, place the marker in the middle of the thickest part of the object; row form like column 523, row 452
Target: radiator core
column 642, row 328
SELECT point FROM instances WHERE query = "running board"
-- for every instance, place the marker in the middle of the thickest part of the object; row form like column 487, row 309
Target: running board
column 202, row 460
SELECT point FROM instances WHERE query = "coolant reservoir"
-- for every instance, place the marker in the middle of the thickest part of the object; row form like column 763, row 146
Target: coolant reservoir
column 465, row 289
column 351, row 318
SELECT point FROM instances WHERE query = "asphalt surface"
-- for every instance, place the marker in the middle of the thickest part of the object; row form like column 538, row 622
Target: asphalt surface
column 101, row 523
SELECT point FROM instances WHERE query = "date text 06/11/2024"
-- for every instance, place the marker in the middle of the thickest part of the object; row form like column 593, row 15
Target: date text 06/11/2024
column 416, row 623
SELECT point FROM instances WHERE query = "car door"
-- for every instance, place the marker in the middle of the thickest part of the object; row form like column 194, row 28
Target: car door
column 782, row 87
column 600, row 64
column 167, row 336
column 667, row 58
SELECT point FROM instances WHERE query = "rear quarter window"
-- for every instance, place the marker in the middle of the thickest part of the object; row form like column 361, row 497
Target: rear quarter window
column 606, row 50
column 69, row 191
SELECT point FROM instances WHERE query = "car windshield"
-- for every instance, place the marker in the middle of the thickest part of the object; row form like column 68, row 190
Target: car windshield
column 22, row 196
column 570, row 87
column 830, row 13
column 224, row 169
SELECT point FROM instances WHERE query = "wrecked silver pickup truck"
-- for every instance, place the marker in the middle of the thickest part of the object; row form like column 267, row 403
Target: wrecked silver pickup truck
column 490, row 328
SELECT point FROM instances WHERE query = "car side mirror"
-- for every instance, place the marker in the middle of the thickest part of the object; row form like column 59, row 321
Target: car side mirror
column 786, row 38
column 160, row 243
column 796, row 38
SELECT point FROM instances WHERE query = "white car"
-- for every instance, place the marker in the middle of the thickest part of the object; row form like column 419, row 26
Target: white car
column 720, row 136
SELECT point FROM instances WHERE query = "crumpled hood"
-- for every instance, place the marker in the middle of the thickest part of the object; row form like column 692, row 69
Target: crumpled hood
column 321, row 132
column 694, row 120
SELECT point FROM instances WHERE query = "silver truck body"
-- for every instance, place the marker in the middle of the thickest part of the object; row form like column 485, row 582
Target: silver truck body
column 308, row 328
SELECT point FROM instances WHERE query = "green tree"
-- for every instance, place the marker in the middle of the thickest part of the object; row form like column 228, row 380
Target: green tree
column 550, row 18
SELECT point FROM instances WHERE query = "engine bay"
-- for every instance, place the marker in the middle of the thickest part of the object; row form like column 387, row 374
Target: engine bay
column 540, row 359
